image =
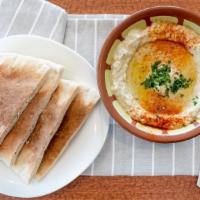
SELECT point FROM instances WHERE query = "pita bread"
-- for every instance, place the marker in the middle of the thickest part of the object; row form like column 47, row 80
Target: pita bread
column 20, row 79
column 32, row 153
column 75, row 117
column 19, row 134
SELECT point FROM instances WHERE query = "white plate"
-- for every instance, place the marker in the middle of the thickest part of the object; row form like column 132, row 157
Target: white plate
column 89, row 141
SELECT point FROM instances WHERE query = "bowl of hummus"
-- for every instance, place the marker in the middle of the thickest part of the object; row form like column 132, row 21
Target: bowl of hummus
column 149, row 74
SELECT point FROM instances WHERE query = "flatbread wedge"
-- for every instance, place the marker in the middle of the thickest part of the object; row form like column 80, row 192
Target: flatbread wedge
column 20, row 79
column 19, row 134
column 32, row 153
column 74, row 119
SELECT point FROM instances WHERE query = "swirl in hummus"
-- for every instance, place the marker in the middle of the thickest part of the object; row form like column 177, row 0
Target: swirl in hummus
column 155, row 75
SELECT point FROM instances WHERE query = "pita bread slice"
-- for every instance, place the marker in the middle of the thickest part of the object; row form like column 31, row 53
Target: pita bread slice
column 20, row 79
column 19, row 134
column 75, row 117
column 32, row 153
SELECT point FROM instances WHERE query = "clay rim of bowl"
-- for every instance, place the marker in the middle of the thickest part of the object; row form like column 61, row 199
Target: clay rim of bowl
column 180, row 14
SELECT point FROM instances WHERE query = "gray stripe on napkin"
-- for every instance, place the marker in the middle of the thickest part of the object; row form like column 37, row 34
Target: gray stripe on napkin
column 143, row 157
column 197, row 155
column 58, row 33
column 103, row 163
column 123, row 142
column 70, row 34
column 183, row 158
column 103, row 29
column 86, row 33
column 163, row 159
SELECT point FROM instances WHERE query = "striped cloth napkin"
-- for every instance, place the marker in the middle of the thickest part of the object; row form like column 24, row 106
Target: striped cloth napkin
column 123, row 153
column 36, row 17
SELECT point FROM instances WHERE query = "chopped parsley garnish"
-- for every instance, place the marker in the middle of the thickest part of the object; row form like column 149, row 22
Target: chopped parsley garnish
column 180, row 82
column 195, row 100
column 160, row 77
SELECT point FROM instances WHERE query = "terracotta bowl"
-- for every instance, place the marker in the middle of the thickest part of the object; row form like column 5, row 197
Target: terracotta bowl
column 142, row 19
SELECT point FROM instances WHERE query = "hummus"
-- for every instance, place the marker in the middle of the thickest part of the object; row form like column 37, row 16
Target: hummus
column 155, row 75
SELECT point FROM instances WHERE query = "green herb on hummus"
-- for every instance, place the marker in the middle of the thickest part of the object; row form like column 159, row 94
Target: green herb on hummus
column 161, row 79
column 195, row 100
column 179, row 83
